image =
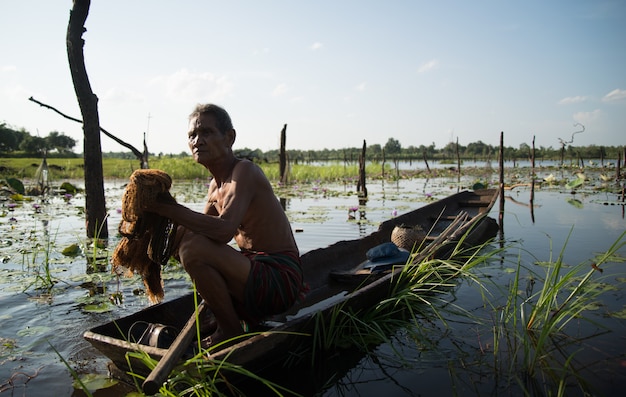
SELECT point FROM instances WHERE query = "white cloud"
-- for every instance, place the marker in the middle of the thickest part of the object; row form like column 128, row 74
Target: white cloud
column 280, row 89
column 8, row 68
column 585, row 117
column 360, row 87
column 317, row 46
column 428, row 66
column 572, row 99
column 117, row 95
column 16, row 92
column 262, row 51
column 187, row 86
column 615, row 95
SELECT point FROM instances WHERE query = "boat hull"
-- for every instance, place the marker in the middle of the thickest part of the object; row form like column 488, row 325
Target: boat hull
column 293, row 328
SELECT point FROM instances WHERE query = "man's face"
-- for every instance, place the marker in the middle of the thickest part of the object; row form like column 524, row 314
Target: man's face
column 206, row 142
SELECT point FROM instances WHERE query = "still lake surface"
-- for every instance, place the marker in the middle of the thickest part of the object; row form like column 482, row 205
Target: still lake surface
column 581, row 225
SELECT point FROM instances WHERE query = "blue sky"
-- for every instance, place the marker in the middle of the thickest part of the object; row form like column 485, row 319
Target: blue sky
column 337, row 72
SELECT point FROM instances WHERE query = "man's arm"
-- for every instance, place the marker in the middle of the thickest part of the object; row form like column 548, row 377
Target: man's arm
column 224, row 213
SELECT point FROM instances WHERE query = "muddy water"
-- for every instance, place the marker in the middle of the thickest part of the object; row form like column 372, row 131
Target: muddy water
column 34, row 320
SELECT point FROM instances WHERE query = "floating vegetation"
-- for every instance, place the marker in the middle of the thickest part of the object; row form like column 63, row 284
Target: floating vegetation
column 94, row 382
column 7, row 347
column 37, row 235
column 72, row 250
column 313, row 214
column 16, row 185
column 69, row 189
column 575, row 203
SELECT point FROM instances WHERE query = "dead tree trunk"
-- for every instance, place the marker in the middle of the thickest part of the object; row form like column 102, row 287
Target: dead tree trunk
column 361, row 188
column 283, row 155
column 95, row 208
column 144, row 157
column 426, row 160
column 458, row 160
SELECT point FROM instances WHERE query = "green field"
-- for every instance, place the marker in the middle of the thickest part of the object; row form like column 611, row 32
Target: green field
column 177, row 167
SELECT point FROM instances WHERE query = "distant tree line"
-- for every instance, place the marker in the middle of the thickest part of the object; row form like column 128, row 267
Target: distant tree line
column 478, row 151
column 21, row 142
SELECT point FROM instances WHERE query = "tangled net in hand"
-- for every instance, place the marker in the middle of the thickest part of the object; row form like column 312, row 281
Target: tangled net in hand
column 147, row 238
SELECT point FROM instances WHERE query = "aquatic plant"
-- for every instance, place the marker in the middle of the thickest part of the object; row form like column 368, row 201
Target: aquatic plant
column 532, row 342
column 532, row 347
column 43, row 279
column 412, row 297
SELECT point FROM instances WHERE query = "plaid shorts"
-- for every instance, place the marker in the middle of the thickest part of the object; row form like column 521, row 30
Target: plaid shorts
column 274, row 284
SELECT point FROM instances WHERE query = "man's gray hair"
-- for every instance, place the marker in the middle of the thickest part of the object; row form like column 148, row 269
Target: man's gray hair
column 224, row 123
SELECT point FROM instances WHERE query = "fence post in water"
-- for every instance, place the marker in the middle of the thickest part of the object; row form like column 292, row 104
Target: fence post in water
column 581, row 161
column 360, row 187
column 458, row 161
column 602, row 156
column 383, row 163
column 501, row 166
column 426, row 160
column 532, row 182
column 283, row 155
column 617, row 169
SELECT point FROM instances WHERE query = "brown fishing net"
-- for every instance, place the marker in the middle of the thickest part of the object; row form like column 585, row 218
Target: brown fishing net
column 147, row 238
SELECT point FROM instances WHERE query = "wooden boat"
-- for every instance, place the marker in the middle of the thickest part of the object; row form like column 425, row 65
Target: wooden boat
column 335, row 276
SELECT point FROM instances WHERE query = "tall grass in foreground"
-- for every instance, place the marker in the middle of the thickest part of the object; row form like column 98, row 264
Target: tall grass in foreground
column 414, row 294
column 535, row 333
column 531, row 333
column 203, row 377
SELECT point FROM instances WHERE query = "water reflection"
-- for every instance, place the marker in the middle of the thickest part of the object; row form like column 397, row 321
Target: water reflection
column 363, row 231
column 546, row 220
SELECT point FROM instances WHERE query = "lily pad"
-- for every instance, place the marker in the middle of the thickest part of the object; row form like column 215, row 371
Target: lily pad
column 94, row 382
column 16, row 185
column 71, row 250
column 576, row 203
column 69, row 188
column 30, row 331
column 575, row 183
column 100, row 308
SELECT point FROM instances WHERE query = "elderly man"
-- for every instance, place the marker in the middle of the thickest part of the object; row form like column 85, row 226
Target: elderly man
column 264, row 276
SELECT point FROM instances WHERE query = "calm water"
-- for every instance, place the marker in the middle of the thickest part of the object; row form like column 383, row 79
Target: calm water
column 32, row 321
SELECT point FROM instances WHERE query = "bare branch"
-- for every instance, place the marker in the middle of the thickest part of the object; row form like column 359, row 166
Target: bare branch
column 136, row 152
column 564, row 142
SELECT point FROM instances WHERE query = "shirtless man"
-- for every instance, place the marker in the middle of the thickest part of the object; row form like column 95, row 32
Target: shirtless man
column 264, row 277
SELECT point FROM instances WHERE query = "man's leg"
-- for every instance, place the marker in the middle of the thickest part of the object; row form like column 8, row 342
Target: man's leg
column 220, row 274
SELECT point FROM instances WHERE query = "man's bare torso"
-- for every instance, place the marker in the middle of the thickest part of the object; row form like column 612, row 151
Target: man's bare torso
column 264, row 225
